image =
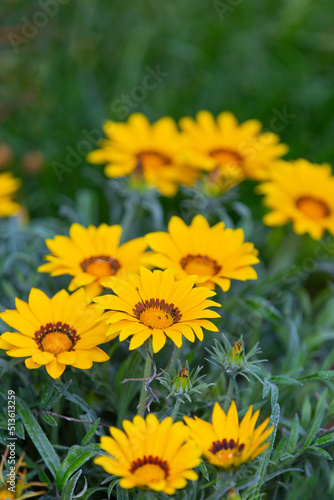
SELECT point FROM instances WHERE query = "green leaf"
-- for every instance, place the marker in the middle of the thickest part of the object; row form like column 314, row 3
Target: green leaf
column 266, row 388
column 88, row 493
column 285, row 381
column 69, row 489
column 319, row 451
column 203, row 470
column 76, row 457
column 89, row 436
column 45, row 397
column 43, row 445
column 328, row 438
column 121, row 493
column 306, row 413
column 112, row 485
column 131, row 367
column 280, row 472
column 265, row 457
column 44, row 478
column 246, row 482
column 57, row 396
column 292, row 357
column 48, row 419
column 286, row 456
column 19, row 429
column 318, row 418
column 322, row 375
column 78, row 401
column 293, row 437
column 263, row 308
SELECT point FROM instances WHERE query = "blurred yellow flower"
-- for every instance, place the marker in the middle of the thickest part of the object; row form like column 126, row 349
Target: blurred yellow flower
column 214, row 254
column 226, row 442
column 15, row 486
column 151, row 454
column 229, row 151
column 55, row 332
column 8, row 186
column 147, row 151
column 153, row 304
column 303, row 193
column 91, row 255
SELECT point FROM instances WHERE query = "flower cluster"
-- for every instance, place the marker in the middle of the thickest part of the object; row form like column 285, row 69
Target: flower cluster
column 166, row 157
column 158, row 289
column 152, row 304
column 221, row 153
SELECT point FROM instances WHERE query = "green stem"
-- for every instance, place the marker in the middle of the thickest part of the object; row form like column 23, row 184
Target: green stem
column 176, row 408
column 229, row 392
column 236, row 390
column 147, row 373
column 233, row 391
column 130, row 215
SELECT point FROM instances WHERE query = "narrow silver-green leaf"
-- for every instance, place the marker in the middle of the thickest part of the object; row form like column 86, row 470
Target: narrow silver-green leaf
column 328, row 438
column 75, row 458
column 317, row 421
column 322, row 375
column 90, row 433
column 43, row 445
column 306, row 413
column 121, row 493
column 285, row 381
column 112, row 485
column 319, row 451
column 70, row 487
column 293, row 437
column 265, row 457
column 48, row 419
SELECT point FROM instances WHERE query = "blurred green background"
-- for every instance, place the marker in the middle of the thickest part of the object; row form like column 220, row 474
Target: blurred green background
column 67, row 66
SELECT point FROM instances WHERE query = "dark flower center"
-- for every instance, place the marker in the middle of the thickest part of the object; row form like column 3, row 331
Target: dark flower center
column 101, row 266
column 56, row 338
column 200, row 265
column 226, row 157
column 156, row 313
column 152, row 159
column 312, row 207
column 226, row 445
column 153, row 469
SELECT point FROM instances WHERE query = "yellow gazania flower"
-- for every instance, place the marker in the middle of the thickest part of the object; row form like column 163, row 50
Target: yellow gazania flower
column 216, row 255
column 303, row 193
column 8, row 186
column 153, row 304
column 225, row 442
column 91, row 255
column 228, row 149
column 144, row 149
column 55, row 332
column 151, row 454
column 16, row 491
